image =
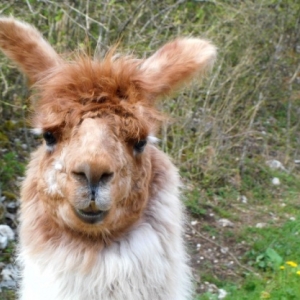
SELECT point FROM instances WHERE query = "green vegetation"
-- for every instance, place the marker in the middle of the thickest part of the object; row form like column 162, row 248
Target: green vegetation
column 10, row 167
column 220, row 133
column 274, row 254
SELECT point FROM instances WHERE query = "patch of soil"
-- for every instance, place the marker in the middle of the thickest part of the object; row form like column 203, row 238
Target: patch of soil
column 214, row 251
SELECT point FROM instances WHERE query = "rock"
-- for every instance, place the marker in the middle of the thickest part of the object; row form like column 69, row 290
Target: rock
column 276, row 181
column 3, row 242
column 6, row 235
column 222, row 294
column 225, row 223
column 243, row 199
column 9, row 276
column 275, row 165
column 260, row 225
column 211, row 288
column 224, row 250
column 12, row 206
column 230, row 265
column 10, row 216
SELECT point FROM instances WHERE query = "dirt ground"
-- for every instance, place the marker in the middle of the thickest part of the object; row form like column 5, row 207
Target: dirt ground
column 216, row 247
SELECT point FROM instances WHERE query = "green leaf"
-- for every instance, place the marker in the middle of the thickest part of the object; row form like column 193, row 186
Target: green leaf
column 274, row 258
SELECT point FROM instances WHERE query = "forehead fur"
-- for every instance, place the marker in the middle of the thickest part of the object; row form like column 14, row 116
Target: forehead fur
column 89, row 88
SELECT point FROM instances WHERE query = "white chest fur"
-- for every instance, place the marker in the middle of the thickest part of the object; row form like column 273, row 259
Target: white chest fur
column 147, row 264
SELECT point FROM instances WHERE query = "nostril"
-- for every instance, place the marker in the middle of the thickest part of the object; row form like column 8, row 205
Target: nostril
column 79, row 175
column 106, row 177
column 93, row 193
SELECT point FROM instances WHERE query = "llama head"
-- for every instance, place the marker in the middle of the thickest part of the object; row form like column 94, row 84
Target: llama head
column 94, row 169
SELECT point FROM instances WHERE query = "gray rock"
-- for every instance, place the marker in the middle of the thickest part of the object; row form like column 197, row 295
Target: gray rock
column 222, row 294
column 9, row 277
column 225, row 223
column 276, row 181
column 260, row 225
column 6, row 235
column 275, row 165
column 243, row 199
column 3, row 242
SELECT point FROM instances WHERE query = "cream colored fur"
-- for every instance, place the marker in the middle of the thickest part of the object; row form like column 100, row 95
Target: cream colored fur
column 148, row 263
column 101, row 217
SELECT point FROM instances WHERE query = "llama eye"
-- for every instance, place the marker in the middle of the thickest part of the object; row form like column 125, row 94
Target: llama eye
column 49, row 138
column 140, row 146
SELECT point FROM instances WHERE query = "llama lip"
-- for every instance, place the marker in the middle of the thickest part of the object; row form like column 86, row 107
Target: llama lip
column 91, row 216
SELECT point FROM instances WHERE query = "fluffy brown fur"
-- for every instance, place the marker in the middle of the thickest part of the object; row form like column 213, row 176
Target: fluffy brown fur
column 98, row 112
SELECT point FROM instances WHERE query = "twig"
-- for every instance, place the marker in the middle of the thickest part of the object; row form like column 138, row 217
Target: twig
column 29, row 6
column 87, row 18
column 295, row 75
column 4, row 8
column 5, row 83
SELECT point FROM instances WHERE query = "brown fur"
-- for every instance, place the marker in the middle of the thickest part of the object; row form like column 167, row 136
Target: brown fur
column 97, row 111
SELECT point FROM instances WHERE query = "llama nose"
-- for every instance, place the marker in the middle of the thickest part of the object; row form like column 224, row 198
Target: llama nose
column 94, row 175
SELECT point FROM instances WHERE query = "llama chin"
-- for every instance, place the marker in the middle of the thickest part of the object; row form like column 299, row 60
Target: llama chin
column 100, row 213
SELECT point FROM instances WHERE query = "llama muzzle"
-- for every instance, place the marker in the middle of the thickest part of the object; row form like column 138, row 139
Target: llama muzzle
column 91, row 215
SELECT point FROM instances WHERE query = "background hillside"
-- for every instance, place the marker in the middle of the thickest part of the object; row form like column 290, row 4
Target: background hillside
column 235, row 136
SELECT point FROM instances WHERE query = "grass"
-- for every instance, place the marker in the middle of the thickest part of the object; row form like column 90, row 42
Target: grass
column 274, row 256
column 221, row 132
column 268, row 248
column 273, row 251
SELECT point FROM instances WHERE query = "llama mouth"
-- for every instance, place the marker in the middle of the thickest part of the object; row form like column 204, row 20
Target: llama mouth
column 91, row 217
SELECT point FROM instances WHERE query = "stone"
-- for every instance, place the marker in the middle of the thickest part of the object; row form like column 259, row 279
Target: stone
column 224, row 250
column 260, row 225
column 6, row 235
column 222, row 294
column 275, row 165
column 3, row 242
column 9, row 277
column 243, row 199
column 225, row 223
column 275, row 181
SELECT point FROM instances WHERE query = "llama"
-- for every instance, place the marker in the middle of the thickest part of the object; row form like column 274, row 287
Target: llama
column 100, row 214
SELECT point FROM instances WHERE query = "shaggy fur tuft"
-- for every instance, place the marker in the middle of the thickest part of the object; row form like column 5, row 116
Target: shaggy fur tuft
column 100, row 214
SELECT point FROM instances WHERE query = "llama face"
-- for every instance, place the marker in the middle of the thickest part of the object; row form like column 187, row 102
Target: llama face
column 96, row 175
column 95, row 159
column 94, row 169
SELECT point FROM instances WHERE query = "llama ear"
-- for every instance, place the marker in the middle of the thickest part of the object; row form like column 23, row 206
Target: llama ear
column 175, row 63
column 24, row 45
